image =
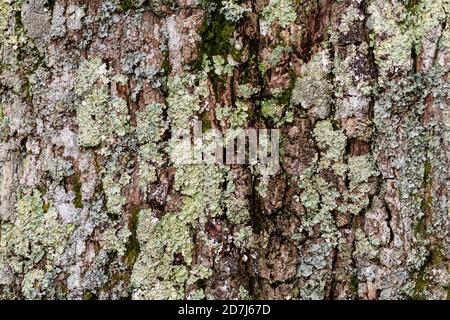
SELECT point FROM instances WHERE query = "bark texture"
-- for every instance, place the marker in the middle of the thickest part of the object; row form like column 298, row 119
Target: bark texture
column 93, row 92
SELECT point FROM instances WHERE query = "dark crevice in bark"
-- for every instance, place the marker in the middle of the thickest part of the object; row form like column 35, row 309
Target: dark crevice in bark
column 389, row 222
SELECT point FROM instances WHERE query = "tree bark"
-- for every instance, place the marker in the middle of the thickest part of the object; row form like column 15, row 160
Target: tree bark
column 93, row 95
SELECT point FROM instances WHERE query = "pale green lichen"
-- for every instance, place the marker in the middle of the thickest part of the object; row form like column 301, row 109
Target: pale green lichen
column 201, row 185
column 398, row 31
column 120, row 78
column 34, row 284
column 116, row 240
column 161, row 239
column 332, row 141
column 233, row 117
column 199, row 272
column 98, row 116
column 10, row 36
column 244, row 293
column 242, row 236
column 149, row 156
column 352, row 14
column 150, row 129
column 197, row 294
column 238, row 211
column 360, row 169
column 366, row 248
column 313, row 89
column 272, row 109
column 3, row 21
column 154, row 276
column 36, row 237
column 112, row 186
column 246, row 91
column 150, row 126
column 91, row 117
column 185, row 93
column 315, row 286
column 90, row 72
column 119, row 118
column 232, row 11
column 316, row 259
column 222, row 67
column 275, row 57
column 277, row 53
column 319, row 198
column 281, row 11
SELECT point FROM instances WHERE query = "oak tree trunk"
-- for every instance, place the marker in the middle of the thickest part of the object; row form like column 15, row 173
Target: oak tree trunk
column 93, row 205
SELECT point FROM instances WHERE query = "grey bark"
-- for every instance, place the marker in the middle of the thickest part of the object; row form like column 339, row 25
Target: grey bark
column 92, row 94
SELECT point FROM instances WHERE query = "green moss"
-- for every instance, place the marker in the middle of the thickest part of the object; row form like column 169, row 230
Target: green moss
column 78, row 202
column 420, row 285
column 45, row 207
column 88, row 295
column 125, row 5
column 206, row 122
column 216, row 33
column 411, row 5
column 420, row 228
column 2, row 115
column 18, row 20
column 354, row 284
column 433, row 260
column 295, row 293
column 133, row 247
column 427, row 170
column 285, row 96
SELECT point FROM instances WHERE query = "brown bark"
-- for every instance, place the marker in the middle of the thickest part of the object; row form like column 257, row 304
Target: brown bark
column 92, row 94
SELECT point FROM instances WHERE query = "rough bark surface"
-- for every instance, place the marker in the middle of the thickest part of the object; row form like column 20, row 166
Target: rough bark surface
column 93, row 92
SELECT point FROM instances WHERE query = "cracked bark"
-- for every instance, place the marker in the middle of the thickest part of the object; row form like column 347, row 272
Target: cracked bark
column 358, row 210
